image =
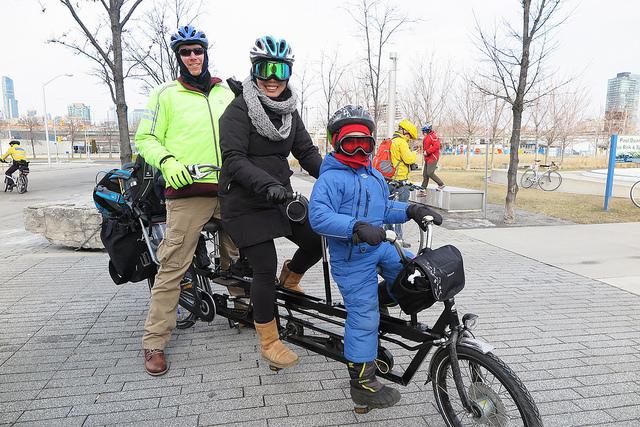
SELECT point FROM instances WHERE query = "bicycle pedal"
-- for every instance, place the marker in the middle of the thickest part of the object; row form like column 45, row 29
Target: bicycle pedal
column 361, row 409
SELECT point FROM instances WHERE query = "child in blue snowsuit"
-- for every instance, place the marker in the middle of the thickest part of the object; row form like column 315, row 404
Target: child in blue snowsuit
column 349, row 205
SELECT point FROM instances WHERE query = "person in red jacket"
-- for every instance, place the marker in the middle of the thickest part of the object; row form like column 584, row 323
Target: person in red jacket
column 431, row 152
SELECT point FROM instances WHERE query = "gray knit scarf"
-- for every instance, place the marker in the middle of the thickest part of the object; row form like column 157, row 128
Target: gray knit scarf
column 256, row 101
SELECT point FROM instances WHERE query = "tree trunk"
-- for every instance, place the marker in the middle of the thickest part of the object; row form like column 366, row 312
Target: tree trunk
column 512, row 173
column 468, row 165
column 118, row 81
column 33, row 147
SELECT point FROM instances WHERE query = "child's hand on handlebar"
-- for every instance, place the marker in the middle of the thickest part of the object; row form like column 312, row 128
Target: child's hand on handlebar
column 277, row 194
column 365, row 232
column 418, row 212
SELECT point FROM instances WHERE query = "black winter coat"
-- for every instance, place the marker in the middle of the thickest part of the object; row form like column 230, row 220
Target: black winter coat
column 250, row 164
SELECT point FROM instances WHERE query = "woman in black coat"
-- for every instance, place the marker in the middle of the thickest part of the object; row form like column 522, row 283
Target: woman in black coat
column 258, row 131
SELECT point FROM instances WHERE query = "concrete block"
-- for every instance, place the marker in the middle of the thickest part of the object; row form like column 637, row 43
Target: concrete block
column 65, row 224
column 451, row 199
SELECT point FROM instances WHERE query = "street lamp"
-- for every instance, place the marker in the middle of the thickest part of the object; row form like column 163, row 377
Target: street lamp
column 46, row 121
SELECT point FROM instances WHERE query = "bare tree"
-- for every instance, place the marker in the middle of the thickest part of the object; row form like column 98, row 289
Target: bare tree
column 539, row 111
column 151, row 51
column 30, row 123
column 469, row 107
column 427, row 95
column 305, row 83
column 517, row 59
column 106, row 52
column 494, row 113
column 72, row 125
column 379, row 21
column 331, row 72
column 565, row 113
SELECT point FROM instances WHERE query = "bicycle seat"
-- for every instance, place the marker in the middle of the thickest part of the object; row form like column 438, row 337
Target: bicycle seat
column 213, row 226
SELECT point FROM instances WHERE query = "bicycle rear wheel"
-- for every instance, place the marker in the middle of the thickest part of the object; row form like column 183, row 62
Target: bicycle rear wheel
column 635, row 194
column 23, row 182
column 550, row 181
column 527, row 179
column 498, row 397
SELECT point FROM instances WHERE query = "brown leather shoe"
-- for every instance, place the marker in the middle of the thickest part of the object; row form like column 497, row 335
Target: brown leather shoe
column 154, row 362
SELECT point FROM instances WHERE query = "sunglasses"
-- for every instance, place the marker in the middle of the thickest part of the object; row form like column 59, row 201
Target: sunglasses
column 187, row 52
column 266, row 70
column 350, row 145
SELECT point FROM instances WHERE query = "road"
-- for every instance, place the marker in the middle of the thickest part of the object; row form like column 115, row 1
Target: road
column 62, row 183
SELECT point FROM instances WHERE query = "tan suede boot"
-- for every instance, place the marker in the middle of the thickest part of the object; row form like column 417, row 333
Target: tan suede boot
column 289, row 279
column 272, row 349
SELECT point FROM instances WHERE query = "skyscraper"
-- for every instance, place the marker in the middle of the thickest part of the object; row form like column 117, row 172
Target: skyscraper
column 623, row 94
column 79, row 111
column 9, row 101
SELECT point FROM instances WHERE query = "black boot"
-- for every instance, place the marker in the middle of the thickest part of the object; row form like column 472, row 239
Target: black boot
column 366, row 391
column 384, row 299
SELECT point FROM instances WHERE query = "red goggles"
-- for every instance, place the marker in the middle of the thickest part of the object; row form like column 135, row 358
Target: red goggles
column 350, row 145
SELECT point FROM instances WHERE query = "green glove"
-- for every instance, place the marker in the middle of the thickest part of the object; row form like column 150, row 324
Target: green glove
column 175, row 173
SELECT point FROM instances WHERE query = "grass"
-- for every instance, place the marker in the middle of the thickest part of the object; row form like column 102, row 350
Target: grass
column 501, row 161
column 578, row 208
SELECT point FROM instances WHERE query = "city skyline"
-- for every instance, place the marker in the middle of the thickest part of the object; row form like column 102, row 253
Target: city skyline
column 9, row 101
column 446, row 30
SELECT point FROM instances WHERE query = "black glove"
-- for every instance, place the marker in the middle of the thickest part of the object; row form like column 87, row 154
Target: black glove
column 277, row 194
column 418, row 212
column 365, row 232
column 413, row 167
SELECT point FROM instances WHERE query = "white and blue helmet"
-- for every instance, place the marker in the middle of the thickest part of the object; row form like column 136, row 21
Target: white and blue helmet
column 271, row 48
column 188, row 34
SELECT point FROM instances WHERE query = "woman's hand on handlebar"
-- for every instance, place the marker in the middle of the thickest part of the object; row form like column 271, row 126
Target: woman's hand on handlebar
column 277, row 194
column 419, row 212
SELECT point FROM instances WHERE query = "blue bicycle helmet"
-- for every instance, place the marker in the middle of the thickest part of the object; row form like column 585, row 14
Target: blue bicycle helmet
column 427, row 128
column 271, row 48
column 188, row 34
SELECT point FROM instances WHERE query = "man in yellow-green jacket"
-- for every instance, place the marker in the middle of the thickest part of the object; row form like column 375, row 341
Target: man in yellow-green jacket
column 403, row 158
column 179, row 128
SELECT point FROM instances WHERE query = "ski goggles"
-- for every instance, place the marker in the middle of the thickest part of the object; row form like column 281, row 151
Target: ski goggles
column 266, row 70
column 352, row 144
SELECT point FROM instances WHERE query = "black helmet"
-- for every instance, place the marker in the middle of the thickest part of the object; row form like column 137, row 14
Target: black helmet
column 350, row 114
column 14, row 142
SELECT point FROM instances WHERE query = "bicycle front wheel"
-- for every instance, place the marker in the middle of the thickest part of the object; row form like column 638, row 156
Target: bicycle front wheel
column 635, row 194
column 550, row 181
column 527, row 179
column 498, row 397
column 22, row 184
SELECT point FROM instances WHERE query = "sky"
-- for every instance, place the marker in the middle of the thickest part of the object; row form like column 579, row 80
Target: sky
column 599, row 39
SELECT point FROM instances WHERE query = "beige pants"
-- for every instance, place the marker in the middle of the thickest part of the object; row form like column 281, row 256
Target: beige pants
column 185, row 219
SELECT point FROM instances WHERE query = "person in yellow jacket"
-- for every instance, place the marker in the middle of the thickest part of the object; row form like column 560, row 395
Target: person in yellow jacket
column 180, row 128
column 404, row 159
column 18, row 155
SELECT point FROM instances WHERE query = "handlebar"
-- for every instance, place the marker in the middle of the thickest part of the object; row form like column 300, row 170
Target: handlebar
column 198, row 172
column 400, row 184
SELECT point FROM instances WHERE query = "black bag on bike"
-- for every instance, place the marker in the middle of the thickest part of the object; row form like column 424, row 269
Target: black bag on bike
column 129, row 258
column 434, row 275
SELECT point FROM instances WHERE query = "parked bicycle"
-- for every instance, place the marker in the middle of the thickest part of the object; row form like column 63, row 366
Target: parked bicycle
column 635, row 194
column 22, row 182
column 548, row 180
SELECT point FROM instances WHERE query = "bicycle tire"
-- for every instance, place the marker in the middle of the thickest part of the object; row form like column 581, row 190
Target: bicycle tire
column 550, row 181
column 490, row 402
column 634, row 193
column 527, row 179
column 184, row 318
column 23, row 182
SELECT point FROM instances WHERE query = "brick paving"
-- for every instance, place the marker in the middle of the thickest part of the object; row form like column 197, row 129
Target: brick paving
column 70, row 350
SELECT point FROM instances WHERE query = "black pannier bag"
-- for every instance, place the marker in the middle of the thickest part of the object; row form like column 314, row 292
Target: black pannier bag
column 434, row 275
column 115, row 195
column 129, row 258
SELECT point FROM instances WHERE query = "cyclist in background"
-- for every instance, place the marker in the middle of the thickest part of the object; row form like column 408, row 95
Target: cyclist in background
column 18, row 155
